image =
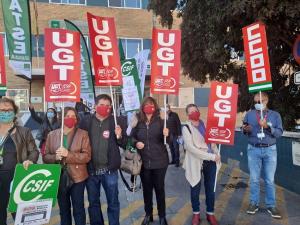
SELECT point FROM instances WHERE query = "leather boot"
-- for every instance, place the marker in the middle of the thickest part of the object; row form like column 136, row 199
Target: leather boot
column 196, row 219
column 163, row 221
column 147, row 220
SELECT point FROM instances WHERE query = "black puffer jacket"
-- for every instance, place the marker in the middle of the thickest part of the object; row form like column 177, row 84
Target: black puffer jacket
column 154, row 155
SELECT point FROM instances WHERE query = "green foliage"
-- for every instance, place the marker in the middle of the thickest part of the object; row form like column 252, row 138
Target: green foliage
column 211, row 29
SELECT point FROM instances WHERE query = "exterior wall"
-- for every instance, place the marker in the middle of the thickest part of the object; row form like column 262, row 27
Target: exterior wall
column 286, row 173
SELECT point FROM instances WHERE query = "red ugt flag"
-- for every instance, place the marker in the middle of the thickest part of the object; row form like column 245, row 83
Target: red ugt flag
column 222, row 110
column 62, row 65
column 165, row 61
column 105, row 50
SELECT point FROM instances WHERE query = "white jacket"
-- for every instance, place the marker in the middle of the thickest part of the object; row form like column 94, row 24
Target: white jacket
column 196, row 152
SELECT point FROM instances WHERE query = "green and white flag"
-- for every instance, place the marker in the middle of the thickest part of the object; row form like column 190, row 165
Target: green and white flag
column 16, row 17
column 87, row 87
column 131, row 90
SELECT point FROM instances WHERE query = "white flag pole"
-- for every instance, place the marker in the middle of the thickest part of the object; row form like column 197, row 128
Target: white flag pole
column 261, row 111
column 165, row 120
column 113, row 104
column 216, row 177
column 62, row 125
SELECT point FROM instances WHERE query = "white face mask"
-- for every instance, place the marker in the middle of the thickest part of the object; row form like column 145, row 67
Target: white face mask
column 259, row 106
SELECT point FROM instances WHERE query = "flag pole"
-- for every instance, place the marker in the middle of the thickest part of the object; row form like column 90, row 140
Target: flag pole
column 62, row 125
column 165, row 120
column 261, row 111
column 113, row 104
column 216, row 177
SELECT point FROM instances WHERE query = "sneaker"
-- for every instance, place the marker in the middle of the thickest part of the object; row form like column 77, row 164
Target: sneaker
column 252, row 209
column 274, row 212
column 211, row 219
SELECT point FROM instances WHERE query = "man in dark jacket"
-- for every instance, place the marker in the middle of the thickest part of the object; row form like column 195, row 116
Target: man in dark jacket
column 105, row 138
column 174, row 125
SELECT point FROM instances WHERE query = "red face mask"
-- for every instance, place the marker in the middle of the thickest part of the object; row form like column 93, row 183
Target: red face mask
column 149, row 109
column 70, row 122
column 194, row 116
column 103, row 110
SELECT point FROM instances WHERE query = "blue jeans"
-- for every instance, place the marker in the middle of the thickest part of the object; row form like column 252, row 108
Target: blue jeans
column 262, row 159
column 76, row 194
column 209, row 174
column 109, row 181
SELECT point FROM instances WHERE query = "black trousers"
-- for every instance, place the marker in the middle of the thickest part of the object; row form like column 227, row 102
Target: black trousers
column 154, row 179
column 5, row 180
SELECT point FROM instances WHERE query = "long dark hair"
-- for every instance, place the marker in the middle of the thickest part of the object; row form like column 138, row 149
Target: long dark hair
column 12, row 103
column 142, row 116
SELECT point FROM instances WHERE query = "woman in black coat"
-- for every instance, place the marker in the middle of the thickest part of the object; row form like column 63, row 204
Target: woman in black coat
column 148, row 137
column 48, row 123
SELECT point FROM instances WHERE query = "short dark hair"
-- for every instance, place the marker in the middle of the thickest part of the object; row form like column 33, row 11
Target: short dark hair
column 10, row 101
column 103, row 96
column 190, row 106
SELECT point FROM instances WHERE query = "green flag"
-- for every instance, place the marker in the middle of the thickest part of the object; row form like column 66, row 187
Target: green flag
column 16, row 17
column 87, row 86
column 121, row 51
column 131, row 90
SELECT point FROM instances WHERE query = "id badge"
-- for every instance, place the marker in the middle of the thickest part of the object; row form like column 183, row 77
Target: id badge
column 261, row 135
column 1, row 160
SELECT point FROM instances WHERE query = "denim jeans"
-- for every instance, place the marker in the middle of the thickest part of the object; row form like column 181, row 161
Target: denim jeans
column 109, row 182
column 174, row 147
column 262, row 159
column 209, row 174
column 76, row 194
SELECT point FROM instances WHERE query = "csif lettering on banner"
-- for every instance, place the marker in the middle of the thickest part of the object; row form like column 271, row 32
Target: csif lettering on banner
column 105, row 50
column 18, row 34
column 87, row 87
column 39, row 182
column 257, row 57
column 165, row 61
column 222, row 110
column 2, row 69
column 62, row 67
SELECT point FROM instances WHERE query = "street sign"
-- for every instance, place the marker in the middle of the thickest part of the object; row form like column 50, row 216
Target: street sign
column 297, row 78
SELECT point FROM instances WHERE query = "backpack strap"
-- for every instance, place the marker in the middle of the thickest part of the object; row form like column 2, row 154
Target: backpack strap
column 187, row 126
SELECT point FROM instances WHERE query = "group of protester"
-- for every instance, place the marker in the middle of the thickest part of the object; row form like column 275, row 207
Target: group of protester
column 90, row 157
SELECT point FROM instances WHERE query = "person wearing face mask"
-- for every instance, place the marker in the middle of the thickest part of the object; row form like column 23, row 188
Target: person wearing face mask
column 48, row 123
column 16, row 146
column 262, row 154
column 105, row 137
column 174, row 125
column 73, row 156
column 200, row 159
column 148, row 137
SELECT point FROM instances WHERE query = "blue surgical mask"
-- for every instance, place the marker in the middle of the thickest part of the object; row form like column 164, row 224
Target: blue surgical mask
column 50, row 115
column 259, row 106
column 7, row 117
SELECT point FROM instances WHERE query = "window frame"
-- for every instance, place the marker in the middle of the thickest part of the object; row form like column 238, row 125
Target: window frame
column 61, row 3
column 19, row 89
column 125, row 7
column 127, row 38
